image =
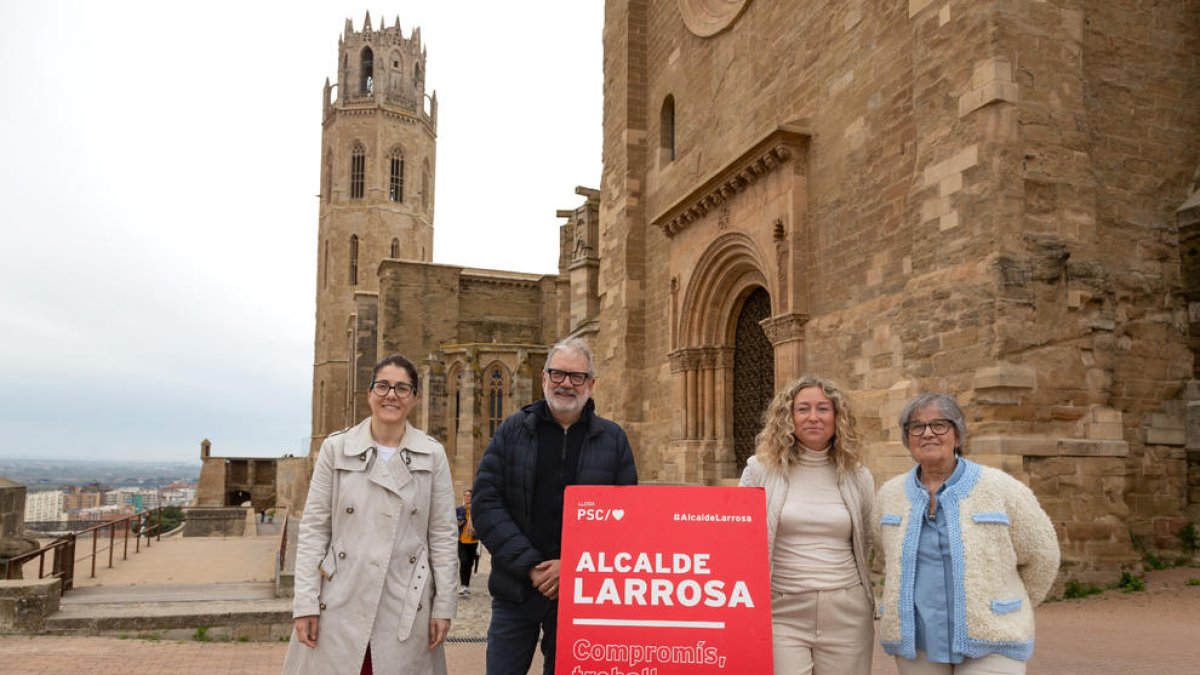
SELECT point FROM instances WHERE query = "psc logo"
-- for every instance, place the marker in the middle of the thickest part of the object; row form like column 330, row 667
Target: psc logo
column 599, row 514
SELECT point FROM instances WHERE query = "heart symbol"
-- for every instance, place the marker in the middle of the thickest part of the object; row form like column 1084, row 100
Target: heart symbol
column 618, row 513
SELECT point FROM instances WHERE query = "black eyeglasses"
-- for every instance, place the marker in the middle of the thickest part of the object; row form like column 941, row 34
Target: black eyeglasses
column 577, row 379
column 381, row 388
column 938, row 427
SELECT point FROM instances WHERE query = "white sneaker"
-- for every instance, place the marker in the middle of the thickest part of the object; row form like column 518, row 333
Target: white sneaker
column 464, row 591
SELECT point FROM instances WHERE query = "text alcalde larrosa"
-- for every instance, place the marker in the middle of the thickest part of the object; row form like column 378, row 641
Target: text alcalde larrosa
column 674, row 581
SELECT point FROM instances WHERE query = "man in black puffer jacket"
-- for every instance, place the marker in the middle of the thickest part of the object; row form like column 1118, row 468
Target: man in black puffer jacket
column 517, row 502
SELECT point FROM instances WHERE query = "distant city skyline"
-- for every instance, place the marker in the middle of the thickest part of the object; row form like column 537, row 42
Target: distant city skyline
column 43, row 474
column 158, row 247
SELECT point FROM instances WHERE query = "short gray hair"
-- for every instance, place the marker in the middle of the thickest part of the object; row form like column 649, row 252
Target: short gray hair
column 573, row 344
column 946, row 405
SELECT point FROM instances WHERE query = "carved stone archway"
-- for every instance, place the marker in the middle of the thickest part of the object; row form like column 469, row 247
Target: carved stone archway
column 702, row 364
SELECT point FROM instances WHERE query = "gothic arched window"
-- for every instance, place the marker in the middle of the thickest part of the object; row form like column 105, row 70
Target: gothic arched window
column 358, row 171
column 354, row 260
column 666, row 130
column 495, row 387
column 366, row 72
column 395, row 252
column 396, row 175
column 454, row 396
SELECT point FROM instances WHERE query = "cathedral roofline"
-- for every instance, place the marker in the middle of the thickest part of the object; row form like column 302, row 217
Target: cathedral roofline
column 479, row 273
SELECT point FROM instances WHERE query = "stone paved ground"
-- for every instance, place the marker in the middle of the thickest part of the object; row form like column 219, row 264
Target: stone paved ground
column 1157, row 631
column 1115, row 634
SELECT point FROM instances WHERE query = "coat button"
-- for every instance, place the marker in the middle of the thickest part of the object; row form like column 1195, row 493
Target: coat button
column 322, row 607
column 414, row 511
column 341, row 554
column 349, row 509
column 412, row 560
column 419, row 606
column 363, row 457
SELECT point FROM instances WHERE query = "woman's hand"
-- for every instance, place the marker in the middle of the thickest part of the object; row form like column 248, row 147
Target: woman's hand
column 306, row 630
column 438, row 630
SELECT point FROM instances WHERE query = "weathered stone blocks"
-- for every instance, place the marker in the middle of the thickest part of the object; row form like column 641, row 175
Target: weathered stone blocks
column 25, row 604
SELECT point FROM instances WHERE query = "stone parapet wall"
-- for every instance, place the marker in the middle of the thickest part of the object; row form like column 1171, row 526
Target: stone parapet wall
column 25, row 604
column 226, row 522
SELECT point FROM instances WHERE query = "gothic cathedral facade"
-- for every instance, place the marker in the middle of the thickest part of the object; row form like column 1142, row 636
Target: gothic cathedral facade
column 986, row 199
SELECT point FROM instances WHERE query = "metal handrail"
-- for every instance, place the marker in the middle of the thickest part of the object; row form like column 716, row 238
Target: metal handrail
column 63, row 566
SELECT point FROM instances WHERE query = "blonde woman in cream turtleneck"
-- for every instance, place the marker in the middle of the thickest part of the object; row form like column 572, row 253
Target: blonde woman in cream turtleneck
column 819, row 498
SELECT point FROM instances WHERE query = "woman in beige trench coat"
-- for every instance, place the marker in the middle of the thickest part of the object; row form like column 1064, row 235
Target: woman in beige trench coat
column 376, row 563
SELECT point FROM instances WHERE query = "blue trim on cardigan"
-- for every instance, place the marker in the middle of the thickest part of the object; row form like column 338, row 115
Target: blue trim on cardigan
column 992, row 517
column 890, row 519
column 1017, row 651
column 1007, row 606
column 919, row 499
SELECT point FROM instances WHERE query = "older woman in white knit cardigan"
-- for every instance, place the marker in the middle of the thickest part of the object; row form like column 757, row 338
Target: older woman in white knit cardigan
column 969, row 552
column 819, row 499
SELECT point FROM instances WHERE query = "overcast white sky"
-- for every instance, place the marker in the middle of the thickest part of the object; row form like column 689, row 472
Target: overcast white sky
column 158, row 170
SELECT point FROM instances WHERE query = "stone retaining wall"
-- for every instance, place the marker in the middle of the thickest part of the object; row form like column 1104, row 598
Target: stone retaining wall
column 25, row 604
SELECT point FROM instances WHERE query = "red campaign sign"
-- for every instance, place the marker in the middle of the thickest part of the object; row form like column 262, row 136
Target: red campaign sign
column 662, row 579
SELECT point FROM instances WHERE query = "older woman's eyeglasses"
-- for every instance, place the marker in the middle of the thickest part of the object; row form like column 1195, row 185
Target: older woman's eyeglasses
column 938, row 427
column 557, row 376
column 381, row 388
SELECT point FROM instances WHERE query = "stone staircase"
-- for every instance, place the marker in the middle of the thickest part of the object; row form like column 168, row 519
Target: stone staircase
column 226, row 611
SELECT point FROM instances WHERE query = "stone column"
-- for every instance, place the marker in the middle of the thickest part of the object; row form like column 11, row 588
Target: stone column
column 678, row 396
column 691, row 395
column 786, row 333
column 468, row 419
column 708, row 426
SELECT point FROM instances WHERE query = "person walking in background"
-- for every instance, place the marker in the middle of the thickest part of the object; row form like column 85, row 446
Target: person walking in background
column 375, row 564
column 969, row 554
column 517, row 503
column 468, row 545
column 819, row 498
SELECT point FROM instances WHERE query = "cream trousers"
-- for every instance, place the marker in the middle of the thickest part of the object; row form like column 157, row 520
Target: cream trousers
column 823, row 632
column 992, row 664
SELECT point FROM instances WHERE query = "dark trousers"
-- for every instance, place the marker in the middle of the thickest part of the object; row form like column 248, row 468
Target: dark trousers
column 513, row 634
column 466, row 562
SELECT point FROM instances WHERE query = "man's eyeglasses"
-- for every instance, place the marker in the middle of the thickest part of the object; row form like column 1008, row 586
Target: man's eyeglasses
column 938, row 427
column 381, row 388
column 558, row 376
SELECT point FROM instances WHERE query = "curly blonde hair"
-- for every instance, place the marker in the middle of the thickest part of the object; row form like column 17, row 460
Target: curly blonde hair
column 776, row 445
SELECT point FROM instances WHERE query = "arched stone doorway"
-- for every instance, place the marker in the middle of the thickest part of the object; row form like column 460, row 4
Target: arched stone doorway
column 725, row 307
column 753, row 373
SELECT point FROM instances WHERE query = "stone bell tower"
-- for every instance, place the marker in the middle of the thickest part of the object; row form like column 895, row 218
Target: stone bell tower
column 378, row 161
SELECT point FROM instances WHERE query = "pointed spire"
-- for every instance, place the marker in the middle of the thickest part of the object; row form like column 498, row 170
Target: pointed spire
column 416, row 35
column 367, row 22
column 349, row 28
column 399, row 33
